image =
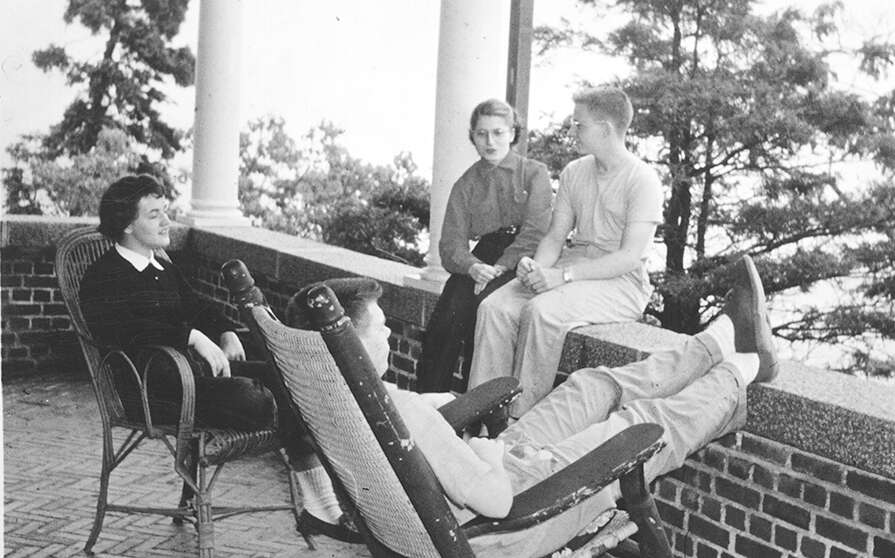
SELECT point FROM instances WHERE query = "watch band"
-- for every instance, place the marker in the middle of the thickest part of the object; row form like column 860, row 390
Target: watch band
column 566, row 275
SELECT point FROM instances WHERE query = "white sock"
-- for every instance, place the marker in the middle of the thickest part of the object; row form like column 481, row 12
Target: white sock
column 721, row 330
column 317, row 494
column 746, row 364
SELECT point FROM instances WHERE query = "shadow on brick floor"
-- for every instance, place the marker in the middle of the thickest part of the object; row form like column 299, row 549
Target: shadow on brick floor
column 52, row 449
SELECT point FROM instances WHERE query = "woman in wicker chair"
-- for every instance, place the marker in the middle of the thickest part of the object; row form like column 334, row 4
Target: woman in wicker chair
column 132, row 299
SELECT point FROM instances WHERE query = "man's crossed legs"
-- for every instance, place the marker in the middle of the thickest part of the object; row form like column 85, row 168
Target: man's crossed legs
column 696, row 392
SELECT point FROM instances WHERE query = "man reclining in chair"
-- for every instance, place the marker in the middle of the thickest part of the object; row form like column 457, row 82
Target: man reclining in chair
column 131, row 299
column 696, row 392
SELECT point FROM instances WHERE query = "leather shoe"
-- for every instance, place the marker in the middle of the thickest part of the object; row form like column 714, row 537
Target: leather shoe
column 747, row 310
column 310, row 525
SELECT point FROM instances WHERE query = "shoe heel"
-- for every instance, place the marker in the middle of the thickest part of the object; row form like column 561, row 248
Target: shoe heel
column 307, row 533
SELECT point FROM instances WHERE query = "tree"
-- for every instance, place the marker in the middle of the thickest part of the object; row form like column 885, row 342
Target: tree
column 72, row 186
column 114, row 125
column 743, row 115
column 317, row 190
column 124, row 85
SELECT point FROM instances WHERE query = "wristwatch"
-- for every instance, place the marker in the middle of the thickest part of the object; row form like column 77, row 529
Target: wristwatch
column 567, row 275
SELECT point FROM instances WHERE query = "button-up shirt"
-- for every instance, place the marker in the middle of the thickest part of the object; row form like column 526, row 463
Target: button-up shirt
column 488, row 197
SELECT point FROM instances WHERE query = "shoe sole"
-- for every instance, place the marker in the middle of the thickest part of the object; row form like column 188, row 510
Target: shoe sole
column 768, row 367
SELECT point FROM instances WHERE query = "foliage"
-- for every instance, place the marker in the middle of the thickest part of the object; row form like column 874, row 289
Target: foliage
column 317, row 190
column 113, row 126
column 741, row 113
column 123, row 87
column 72, row 185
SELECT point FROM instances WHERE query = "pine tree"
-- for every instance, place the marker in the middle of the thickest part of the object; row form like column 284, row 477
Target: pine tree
column 118, row 96
column 741, row 114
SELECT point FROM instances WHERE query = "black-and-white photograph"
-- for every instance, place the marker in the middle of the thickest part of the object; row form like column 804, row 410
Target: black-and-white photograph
column 447, row 278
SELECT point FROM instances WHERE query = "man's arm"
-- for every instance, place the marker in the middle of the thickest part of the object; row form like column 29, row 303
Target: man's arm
column 471, row 474
column 536, row 220
column 550, row 247
column 492, row 493
column 531, row 271
column 635, row 240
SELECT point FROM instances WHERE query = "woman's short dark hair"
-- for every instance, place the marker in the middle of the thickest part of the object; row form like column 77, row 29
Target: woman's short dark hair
column 496, row 107
column 118, row 206
column 354, row 294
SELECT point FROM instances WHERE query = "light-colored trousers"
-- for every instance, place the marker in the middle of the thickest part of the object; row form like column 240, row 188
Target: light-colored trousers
column 521, row 334
column 690, row 391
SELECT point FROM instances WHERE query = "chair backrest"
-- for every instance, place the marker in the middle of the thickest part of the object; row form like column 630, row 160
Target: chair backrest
column 338, row 425
column 75, row 253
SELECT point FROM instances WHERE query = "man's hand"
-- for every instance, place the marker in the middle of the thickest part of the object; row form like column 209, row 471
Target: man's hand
column 543, row 279
column 525, row 266
column 524, row 269
column 232, row 346
column 489, row 451
column 537, row 278
column 213, row 354
column 436, row 400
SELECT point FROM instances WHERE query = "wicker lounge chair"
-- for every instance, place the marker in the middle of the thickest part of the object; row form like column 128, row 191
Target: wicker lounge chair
column 397, row 502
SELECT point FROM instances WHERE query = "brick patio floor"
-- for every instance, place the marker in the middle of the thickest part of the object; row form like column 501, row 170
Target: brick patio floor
column 52, row 450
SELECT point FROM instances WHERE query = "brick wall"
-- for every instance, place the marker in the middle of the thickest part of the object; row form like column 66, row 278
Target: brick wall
column 37, row 334
column 405, row 340
column 745, row 495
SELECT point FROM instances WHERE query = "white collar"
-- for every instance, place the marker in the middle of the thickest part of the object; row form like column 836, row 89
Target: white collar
column 139, row 261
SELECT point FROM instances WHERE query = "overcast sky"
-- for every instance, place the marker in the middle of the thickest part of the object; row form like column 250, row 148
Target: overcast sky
column 363, row 65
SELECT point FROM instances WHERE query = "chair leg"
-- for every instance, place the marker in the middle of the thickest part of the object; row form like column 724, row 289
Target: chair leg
column 187, row 492
column 642, row 509
column 101, row 500
column 293, row 490
column 204, row 517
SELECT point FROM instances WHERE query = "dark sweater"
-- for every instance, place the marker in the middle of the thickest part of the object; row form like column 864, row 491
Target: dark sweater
column 126, row 308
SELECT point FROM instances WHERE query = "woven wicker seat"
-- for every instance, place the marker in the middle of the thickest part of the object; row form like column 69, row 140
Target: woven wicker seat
column 192, row 448
column 399, row 505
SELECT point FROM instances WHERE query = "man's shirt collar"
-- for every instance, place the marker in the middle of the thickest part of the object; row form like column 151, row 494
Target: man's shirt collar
column 139, row 261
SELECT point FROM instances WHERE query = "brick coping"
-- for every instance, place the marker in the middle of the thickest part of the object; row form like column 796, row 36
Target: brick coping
column 833, row 415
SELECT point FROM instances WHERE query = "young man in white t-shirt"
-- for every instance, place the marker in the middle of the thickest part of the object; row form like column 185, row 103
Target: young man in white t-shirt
column 613, row 202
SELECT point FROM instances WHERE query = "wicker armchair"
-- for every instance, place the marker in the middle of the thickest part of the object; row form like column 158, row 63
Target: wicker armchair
column 198, row 453
column 398, row 504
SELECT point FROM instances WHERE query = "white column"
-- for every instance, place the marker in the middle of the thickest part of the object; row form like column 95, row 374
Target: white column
column 214, row 200
column 473, row 39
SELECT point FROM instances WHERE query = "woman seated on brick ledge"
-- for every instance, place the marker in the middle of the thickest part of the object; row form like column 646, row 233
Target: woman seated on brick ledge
column 696, row 392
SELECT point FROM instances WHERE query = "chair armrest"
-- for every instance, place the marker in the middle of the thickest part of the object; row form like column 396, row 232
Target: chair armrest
column 479, row 402
column 585, row 477
column 142, row 378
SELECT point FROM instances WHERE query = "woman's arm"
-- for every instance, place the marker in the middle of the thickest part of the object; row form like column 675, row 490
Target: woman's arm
column 453, row 247
column 536, row 220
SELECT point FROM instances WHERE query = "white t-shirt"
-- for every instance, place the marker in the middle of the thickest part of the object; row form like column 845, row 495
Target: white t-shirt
column 601, row 204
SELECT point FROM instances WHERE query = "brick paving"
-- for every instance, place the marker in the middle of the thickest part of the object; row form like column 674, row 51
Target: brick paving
column 52, row 453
